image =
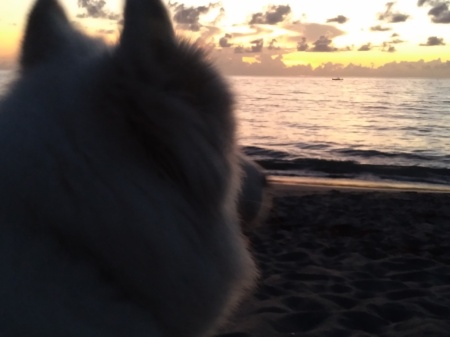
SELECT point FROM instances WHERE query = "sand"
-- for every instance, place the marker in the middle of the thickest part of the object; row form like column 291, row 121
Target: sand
column 338, row 261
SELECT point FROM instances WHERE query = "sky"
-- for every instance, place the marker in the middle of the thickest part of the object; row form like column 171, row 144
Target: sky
column 282, row 37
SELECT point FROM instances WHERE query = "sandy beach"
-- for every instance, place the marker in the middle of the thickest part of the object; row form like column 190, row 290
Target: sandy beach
column 344, row 261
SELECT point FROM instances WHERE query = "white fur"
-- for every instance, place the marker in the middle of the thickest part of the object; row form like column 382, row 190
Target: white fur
column 118, row 185
column 255, row 197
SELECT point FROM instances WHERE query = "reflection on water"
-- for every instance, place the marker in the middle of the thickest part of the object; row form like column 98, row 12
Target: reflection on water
column 346, row 120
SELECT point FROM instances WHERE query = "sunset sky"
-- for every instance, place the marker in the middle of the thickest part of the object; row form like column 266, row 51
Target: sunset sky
column 273, row 37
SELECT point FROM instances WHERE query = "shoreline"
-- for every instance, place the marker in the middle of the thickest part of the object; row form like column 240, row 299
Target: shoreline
column 287, row 185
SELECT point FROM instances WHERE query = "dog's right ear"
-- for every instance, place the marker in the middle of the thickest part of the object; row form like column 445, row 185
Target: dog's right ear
column 48, row 31
column 147, row 31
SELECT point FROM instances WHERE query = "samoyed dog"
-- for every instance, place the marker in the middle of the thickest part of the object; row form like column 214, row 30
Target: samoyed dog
column 118, row 184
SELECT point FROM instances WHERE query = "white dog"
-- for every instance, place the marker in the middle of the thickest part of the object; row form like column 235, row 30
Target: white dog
column 118, row 185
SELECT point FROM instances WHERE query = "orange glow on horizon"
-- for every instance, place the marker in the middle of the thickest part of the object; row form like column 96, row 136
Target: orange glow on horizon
column 10, row 41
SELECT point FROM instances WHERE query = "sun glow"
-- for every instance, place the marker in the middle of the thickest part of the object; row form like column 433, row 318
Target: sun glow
column 308, row 21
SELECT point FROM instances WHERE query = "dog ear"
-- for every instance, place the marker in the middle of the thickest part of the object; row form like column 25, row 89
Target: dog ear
column 147, row 31
column 48, row 31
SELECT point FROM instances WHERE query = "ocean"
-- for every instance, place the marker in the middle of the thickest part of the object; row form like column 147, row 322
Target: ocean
column 377, row 130
column 373, row 130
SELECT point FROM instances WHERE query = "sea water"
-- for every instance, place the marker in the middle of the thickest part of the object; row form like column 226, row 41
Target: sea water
column 370, row 129
column 375, row 129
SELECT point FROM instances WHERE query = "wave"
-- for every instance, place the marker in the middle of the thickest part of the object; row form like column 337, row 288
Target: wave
column 381, row 154
column 376, row 107
column 262, row 153
column 281, row 163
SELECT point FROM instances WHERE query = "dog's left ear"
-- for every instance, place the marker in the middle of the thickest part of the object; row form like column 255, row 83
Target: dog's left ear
column 48, row 31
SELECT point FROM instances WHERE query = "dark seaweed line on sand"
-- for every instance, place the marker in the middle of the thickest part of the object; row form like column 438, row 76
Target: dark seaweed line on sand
column 346, row 169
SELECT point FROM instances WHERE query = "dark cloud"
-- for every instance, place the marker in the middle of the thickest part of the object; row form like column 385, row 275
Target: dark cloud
column 434, row 41
column 302, row 45
column 379, row 28
column 96, row 9
column 323, row 44
column 273, row 15
column 272, row 45
column 224, row 41
column 239, row 50
column 391, row 17
column 396, row 41
column 257, row 45
column 398, row 17
column 189, row 17
column 391, row 49
column 439, row 12
column 365, row 47
column 388, row 48
column 339, row 19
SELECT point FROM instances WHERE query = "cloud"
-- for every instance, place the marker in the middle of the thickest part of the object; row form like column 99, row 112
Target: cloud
column 272, row 45
column 267, row 65
column 273, row 15
column 395, row 18
column 257, row 45
column 434, row 41
column 387, row 47
column 106, row 31
column 223, row 42
column 390, row 49
column 323, row 44
column 379, row 28
column 302, row 45
column 189, row 17
column 394, row 39
column 339, row 19
column 440, row 12
column 239, row 50
column 96, row 9
column 263, row 65
column 311, row 31
column 365, row 47
column 391, row 17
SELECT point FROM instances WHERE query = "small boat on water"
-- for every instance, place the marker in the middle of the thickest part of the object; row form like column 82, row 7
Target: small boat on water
column 337, row 79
